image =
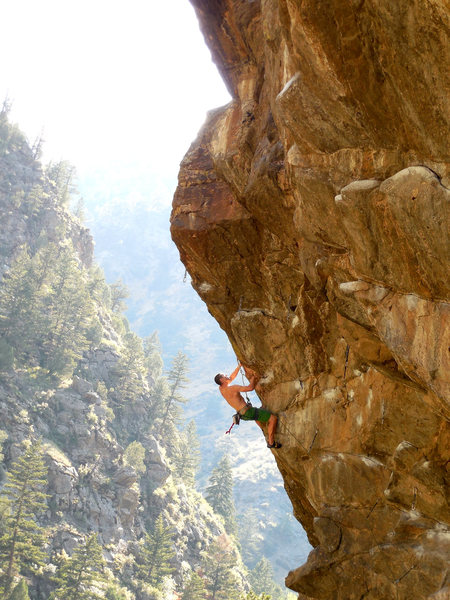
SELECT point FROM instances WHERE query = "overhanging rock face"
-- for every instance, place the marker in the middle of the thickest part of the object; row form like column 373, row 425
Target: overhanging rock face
column 312, row 214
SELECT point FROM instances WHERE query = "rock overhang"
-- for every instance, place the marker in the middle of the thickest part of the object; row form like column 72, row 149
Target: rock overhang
column 312, row 215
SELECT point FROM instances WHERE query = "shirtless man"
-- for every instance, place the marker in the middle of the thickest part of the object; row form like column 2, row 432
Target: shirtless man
column 232, row 394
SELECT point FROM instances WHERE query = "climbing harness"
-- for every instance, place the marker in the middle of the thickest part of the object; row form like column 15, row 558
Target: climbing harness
column 237, row 416
column 236, row 420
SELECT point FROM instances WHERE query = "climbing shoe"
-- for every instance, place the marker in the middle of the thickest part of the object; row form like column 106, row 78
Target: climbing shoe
column 274, row 445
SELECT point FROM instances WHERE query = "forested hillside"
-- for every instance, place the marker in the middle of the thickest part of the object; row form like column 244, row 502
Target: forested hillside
column 98, row 463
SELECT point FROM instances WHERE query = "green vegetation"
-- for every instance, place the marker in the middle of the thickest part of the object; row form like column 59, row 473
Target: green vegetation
column 156, row 554
column 261, row 579
column 47, row 318
column 116, row 592
column 79, row 578
column 219, row 493
column 20, row 592
column 22, row 538
column 219, row 568
column 250, row 538
column 194, row 588
column 129, row 382
column 252, row 596
column 171, row 400
column 3, row 437
column 186, row 454
column 134, row 456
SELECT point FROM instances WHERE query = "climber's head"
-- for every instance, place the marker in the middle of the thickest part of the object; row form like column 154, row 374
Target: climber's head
column 220, row 378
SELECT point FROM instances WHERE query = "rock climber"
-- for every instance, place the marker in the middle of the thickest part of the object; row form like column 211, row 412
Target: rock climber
column 232, row 394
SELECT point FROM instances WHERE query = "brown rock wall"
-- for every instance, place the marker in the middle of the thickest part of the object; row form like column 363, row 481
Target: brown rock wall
column 312, row 215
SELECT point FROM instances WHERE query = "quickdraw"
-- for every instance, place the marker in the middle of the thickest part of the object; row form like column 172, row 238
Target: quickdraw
column 236, row 419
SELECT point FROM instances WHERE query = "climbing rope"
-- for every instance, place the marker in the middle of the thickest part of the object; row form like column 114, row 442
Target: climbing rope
column 283, row 419
column 229, row 430
column 243, row 383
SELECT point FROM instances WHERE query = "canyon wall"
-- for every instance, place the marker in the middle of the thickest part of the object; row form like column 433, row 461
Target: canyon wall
column 312, row 215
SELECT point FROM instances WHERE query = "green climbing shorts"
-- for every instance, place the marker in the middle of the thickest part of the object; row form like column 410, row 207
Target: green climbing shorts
column 256, row 414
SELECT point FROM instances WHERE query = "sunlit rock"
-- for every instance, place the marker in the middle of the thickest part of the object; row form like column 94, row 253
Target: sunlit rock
column 312, row 216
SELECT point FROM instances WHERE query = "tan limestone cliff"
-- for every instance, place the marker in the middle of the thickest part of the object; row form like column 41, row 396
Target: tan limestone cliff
column 312, row 214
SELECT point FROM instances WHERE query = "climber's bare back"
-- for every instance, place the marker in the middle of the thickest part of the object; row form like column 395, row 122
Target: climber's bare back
column 232, row 394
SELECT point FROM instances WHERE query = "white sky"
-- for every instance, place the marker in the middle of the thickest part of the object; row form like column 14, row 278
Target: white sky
column 108, row 81
column 120, row 89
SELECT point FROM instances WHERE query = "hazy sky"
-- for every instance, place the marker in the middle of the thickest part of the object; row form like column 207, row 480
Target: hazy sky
column 109, row 81
column 120, row 90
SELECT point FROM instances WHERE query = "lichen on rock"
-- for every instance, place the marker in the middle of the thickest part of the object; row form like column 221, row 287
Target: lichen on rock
column 312, row 215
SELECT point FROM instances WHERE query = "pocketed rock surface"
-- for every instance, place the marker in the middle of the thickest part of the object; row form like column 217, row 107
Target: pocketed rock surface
column 312, row 214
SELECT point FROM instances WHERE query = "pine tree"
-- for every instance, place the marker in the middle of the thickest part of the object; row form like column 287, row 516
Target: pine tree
column 46, row 314
column 252, row 596
column 3, row 436
column 219, row 493
column 170, row 439
column 20, row 592
column 250, row 537
column 12, row 141
column 194, row 588
column 130, row 370
column 152, row 353
column 261, row 579
column 72, row 314
column 22, row 539
column 97, row 287
column 218, row 564
column 20, row 309
column 156, row 554
column 178, row 381
column 158, row 394
column 81, row 573
column 62, row 175
column 119, row 292
column 186, row 454
column 6, row 356
column 115, row 592
column 32, row 201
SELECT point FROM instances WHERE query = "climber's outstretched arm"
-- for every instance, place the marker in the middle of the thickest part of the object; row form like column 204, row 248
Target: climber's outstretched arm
column 235, row 372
